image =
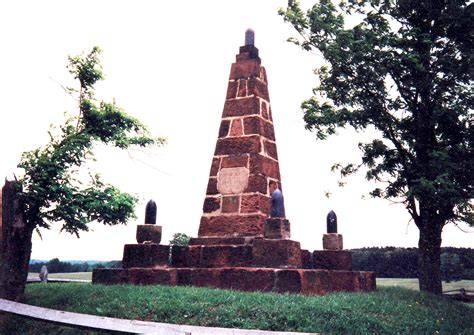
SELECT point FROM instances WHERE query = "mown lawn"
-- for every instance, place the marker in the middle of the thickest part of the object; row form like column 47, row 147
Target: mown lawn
column 388, row 310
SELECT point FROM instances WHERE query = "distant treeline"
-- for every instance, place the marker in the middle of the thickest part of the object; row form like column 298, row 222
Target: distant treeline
column 56, row 266
column 392, row 262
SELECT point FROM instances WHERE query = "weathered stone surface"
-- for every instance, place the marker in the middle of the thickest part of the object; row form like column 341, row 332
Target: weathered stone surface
column 216, row 162
column 270, row 149
column 315, row 282
column 332, row 242
column 236, row 128
column 259, row 164
column 257, row 183
column 245, row 68
column 256, row 125
column 255, row 203
column 211, row 204
column 232, row 89
column 242, row 88
column 241, row 107
column 224, row 128
column 232, row 180
column 212, row 187
column 206, row 277
column 248, row 279
column 238, row 145
column 179, row 256
column 276, row 228
column 146, row 276
column 276, row 253
column 265, row 111
column 288, row 281
column 110, row 276
column 341, row 281
column 367, row 281
column 231, row 226
column 235, row 161
column 225, row 256
column 148, row 233
column 230, row 204
column 332, row 260
column 145, row 255
column 220, row 241
column 258, row 87
column 306, row 259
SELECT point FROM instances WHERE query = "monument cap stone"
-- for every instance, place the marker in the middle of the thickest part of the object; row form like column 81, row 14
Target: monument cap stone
column 150, row 212
column 331, row 222
column 277, row 206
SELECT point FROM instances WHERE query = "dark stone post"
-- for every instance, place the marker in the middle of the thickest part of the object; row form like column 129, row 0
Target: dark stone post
column 149, row 232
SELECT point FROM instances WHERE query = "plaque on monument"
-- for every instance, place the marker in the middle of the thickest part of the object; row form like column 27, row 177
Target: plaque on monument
column 232, row 180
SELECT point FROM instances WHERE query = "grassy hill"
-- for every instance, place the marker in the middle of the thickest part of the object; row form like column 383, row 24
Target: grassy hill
column 388, row 310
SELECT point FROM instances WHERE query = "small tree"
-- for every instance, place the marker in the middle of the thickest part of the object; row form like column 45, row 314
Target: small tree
column 180, row 239
column 50, row 190
column 405, row 70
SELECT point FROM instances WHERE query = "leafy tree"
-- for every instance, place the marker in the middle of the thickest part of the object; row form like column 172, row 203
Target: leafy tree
column 51, row 189
column 404, row 70
column 180, row 239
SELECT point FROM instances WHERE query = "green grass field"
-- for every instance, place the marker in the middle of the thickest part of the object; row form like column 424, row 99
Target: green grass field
column 388, row 310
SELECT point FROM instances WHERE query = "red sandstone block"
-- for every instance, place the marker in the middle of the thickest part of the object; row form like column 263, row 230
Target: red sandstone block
column 276, row 253
column 341, row 281
column 245, row 68
column 332, row 260
column 145, row 276
column 315, row 282
column 288, row 281
column 183, row 277
column 230, row 204
column 238, row 145
column 235, row 161
column 276, row 228
column 236, row 128
column 194, row 256
column 367, row 281
column 206, row 277
column 232, row 89
column 264, row 111
column 257, row 183
column 248, row 279
column 242, row 88
column 224, row 128
column 263, row 74
column 270, row 149
column 254, row 203
column 225, row 255
column 145, row 255
column 212, row 186
column 256, row 125
column 211, row 204
column 231, row 226
column 259, row 164
column 220, row 241
column 110, row 276
column 258, row 87
column 241, row 107
column 306, row 259
column 179, row 256
column 216, row 162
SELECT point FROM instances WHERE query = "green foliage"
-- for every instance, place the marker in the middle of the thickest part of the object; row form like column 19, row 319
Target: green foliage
column 451, row 267
column 404, row 68
column 180, row 239
column 51, row 188
column 391, row 262
column 387, row 311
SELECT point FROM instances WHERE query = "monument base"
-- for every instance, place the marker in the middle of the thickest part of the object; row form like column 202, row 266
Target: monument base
column 258, row 264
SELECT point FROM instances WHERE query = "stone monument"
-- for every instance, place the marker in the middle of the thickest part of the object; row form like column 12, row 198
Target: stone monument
column 243, row 241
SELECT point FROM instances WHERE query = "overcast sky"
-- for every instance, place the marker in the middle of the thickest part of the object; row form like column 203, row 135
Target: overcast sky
column 167, row 63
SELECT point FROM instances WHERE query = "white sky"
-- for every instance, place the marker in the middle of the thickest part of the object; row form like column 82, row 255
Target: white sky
column 167, row 63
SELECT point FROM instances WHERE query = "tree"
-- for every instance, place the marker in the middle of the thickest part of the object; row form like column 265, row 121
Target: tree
column 51, row 189
column 404, row 70
column 180, row 239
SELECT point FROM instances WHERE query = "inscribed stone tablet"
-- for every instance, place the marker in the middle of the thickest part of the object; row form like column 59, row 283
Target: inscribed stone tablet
column 232, row 180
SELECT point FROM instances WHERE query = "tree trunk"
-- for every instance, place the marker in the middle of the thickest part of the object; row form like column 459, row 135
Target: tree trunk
column 429, row 258
column 15, row 247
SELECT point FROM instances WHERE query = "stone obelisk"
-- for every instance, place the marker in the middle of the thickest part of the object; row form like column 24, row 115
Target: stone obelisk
column 245, row 168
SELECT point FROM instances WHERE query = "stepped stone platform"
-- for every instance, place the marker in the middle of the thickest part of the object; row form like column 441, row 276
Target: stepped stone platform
column 243, row 240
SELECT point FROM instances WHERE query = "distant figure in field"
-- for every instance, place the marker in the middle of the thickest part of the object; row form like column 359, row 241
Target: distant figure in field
column 44, row 273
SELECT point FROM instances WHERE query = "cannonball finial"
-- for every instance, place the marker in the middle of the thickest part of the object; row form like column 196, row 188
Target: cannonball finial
column 249, row 37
